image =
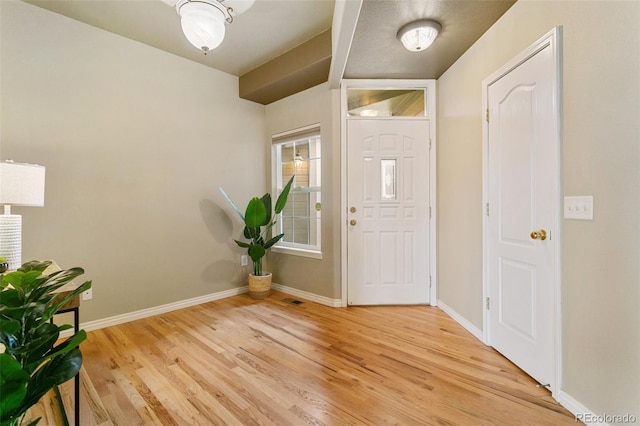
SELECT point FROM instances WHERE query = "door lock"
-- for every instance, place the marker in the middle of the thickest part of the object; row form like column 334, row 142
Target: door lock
column 352, row 209
column 539, row 235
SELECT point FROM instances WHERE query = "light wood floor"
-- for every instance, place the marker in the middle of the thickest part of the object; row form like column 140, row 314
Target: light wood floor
column 243, row 362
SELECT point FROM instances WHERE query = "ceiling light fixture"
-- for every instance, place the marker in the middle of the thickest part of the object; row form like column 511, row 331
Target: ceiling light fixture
column 203, row 21
column 418, row 35
column 369, row 113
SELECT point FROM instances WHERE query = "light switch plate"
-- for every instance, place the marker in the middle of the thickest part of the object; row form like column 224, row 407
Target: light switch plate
column 578, row 208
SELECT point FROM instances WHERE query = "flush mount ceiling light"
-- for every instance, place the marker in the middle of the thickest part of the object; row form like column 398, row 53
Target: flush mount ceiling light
column 203, row 21
column 418, row 35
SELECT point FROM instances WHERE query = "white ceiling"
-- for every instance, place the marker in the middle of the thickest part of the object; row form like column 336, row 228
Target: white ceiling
column 265, row 31
column 272, row 27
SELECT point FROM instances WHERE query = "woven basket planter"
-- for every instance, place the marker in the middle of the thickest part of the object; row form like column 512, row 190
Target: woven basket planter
column 259, row 286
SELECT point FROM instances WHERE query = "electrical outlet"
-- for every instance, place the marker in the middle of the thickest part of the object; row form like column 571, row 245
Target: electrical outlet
column 244, row 260
column 87, row 295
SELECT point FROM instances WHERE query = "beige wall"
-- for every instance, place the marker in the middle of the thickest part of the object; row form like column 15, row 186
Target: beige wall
column 600, row 157
column 315, row 105
column 136, row 142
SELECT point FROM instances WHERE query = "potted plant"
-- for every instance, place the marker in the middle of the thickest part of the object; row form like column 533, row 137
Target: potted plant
column 258, row 220
column 32, row 363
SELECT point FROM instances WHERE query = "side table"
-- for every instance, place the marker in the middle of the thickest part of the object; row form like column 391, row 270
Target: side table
column 72, row 306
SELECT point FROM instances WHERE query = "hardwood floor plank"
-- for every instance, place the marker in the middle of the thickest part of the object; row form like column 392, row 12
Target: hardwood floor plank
column 238, row 361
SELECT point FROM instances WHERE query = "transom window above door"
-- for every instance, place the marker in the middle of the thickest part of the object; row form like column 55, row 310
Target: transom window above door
column 378, row 102
column 299, row 153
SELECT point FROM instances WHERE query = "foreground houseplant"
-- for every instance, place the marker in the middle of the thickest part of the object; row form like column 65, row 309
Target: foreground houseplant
column 258, row 220
column 32, row 363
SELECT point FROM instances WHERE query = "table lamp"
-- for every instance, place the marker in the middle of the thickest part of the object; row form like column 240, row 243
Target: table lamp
column 21, row 184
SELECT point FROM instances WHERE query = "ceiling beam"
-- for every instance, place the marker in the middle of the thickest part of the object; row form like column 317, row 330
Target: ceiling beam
column 345, row 19
column 302, row 67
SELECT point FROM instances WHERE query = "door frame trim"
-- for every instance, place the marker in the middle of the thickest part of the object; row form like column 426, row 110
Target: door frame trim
column 430, row 114
column 554, row 39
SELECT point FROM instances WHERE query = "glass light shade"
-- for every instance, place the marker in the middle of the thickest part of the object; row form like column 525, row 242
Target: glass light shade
column 202, row 24
column 418, row 35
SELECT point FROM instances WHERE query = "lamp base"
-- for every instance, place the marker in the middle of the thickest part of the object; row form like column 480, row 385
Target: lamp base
column 11, row 239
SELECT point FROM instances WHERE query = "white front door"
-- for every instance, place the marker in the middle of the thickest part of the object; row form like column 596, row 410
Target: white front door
column 522, row 210
column 388, row 202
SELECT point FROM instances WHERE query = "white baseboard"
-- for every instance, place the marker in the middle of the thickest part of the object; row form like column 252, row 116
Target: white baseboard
column 586, row 416
column 327, row 301
column 156, row 310
column 462, row 321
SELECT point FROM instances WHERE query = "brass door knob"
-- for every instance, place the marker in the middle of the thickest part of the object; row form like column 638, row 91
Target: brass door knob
column 352, row 210
column 352, row 222
column 539, row 235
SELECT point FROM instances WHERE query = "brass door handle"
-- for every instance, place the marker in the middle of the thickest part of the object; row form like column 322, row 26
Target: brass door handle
column 539, row 235
column 352, row 222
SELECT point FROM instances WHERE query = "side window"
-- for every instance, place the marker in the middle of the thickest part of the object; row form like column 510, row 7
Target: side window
column 298, row 153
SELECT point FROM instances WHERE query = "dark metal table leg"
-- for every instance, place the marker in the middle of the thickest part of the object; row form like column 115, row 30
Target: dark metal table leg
column 76, row 328
column 76, row 379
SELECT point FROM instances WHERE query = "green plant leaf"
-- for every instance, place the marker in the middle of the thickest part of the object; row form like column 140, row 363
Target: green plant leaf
column 52, row 308
column 273, row 241
column 38, row 386
column 252, row 233
column 10, row 298
column 9, row 326
column 242, row 244
column 64, row 367
column 57, row 371
column 20, row 279
column 13, row 384
column 266, row 200
column 60, row 278
column 39, row 342
column 256, row 213
column 64, row 327
column 34, row 265
column 256, row 252
column 68, row 345
column 282, row 198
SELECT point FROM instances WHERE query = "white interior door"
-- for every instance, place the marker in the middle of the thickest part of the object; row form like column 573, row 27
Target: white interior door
column 522, row 213
column 388, row 202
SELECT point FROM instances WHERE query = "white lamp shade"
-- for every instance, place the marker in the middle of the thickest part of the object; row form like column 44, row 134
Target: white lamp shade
column 418, row 35
column 21, row 184
column 202, row 24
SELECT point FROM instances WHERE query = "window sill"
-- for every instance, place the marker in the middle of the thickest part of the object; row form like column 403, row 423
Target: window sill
column 313, row 254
